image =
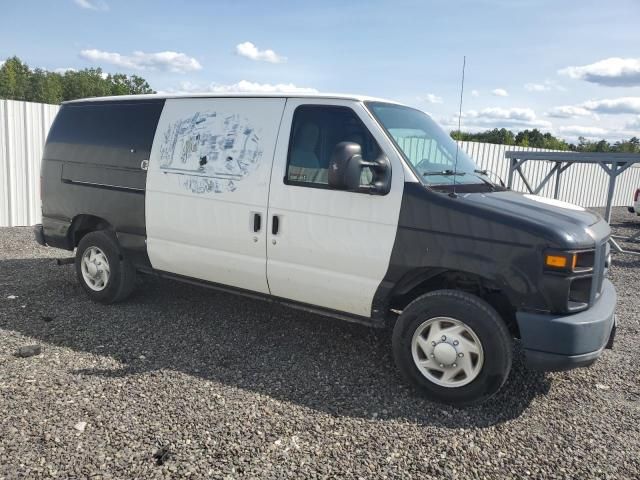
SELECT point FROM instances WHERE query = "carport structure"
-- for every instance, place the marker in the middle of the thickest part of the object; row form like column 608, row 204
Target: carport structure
column 613, row 164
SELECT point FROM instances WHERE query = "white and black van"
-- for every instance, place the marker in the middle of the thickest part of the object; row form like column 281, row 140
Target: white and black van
column 357, row 208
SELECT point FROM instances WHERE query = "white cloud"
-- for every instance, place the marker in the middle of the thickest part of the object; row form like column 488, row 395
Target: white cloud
column 430, row 98
column 500, row 92
column 249, row 50
column 497, row 117
column 522, row 114
column 2, row 63
column 64, row 70
column 610, row 106
column 475, row 93
column 569, row 111
column 545, row 86
column 536, row 87
column 243, row 86
column 246, row 86
column 583, row 131
column 99, row 5
column 614, row 105
column 634, row 124
column 610, row 72
column 169, row 61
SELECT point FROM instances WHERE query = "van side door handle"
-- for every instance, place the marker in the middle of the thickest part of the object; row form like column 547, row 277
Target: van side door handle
column 275, row 225
column 257, row 221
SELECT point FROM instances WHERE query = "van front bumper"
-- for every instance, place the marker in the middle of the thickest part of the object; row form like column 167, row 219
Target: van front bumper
column 562, row 342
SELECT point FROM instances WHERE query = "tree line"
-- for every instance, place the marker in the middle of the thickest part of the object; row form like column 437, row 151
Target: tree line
column 19, row 82
column 535, row 138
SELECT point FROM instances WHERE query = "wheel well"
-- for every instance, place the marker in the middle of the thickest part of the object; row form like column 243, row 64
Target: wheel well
column 83, row 224
column 463, row 281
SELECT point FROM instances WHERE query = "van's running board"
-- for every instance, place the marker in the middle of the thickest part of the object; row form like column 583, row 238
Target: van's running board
column 266, row 297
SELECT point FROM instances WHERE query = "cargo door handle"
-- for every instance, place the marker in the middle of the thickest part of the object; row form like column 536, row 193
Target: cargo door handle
column 144, row 165
column 257, row 221
column 275, row 225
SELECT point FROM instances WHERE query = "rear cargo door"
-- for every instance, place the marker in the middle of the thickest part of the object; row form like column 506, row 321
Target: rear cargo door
column 208, row 187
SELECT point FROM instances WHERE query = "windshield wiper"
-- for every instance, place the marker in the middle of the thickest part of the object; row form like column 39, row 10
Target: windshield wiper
column 445, row 173
column 485, row 181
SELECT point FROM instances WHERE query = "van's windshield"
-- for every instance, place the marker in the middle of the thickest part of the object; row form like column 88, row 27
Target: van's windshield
column 427, row 147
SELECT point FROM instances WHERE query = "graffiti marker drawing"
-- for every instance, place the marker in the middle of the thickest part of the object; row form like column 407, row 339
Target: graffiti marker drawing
column 213, row 151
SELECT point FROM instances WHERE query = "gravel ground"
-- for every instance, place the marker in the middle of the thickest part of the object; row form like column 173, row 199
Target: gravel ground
column 181, row 380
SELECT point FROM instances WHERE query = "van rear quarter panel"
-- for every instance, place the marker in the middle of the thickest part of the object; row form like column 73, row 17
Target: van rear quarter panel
column 92, row 166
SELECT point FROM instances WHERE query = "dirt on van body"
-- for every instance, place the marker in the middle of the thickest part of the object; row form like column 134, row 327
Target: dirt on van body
column 180, row 381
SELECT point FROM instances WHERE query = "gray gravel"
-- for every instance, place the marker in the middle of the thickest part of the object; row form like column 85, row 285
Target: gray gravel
column 181, row 381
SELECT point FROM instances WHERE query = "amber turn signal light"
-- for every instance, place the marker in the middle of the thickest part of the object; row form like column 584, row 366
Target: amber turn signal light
column 561, row 261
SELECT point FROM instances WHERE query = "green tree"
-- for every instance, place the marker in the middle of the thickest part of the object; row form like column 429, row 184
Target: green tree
column 85, row 83
column 45, row 87
column 19, row 82
column 500, row 136
column 14, row 79
column 525, row 138
column 629, row 146
column 124, row 85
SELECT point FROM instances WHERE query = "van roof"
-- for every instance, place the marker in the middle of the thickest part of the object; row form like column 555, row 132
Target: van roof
column 339, row 96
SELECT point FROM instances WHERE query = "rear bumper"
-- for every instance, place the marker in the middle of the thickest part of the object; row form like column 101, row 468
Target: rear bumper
column 38, row 232
column 555, row 342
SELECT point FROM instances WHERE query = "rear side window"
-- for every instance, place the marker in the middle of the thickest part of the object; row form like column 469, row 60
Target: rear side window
column 118, row 134
column 315, row 131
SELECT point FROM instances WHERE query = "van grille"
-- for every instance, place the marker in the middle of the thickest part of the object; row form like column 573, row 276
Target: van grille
column 599, row 267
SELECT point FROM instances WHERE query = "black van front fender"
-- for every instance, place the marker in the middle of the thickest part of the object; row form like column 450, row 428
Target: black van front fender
column 472, row 273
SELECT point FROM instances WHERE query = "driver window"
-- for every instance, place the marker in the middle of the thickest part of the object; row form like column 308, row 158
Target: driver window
column 316, row 130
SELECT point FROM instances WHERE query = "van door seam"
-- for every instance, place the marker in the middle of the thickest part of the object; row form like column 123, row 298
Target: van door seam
column 266, row 223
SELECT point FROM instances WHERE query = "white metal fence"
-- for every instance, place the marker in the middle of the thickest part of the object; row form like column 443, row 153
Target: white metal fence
column 23, row 130
column 24, row 127
column 582, row 184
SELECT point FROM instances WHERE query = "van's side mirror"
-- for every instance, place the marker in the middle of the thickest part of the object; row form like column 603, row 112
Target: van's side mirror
column 345, row 170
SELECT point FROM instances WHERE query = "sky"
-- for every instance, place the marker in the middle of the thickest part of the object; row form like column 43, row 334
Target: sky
column 568, row 67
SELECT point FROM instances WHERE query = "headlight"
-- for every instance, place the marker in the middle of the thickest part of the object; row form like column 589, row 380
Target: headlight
column 581, row 261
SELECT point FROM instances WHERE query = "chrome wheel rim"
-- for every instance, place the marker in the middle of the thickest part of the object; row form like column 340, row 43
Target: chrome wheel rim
column 447, row 352
column 95, row 269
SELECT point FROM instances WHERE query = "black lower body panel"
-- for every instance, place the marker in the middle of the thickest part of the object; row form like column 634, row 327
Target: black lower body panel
column 38, row 232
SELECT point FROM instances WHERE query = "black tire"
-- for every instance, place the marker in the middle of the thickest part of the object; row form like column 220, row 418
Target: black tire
column 486, row 324
column 122, row 275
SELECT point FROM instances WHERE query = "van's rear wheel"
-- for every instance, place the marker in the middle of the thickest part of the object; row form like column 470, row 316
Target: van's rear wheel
column 453, row 346
column 103, row 271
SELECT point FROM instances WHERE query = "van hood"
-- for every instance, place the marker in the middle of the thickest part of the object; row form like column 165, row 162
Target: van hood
column 561, row 222
column 537, row 208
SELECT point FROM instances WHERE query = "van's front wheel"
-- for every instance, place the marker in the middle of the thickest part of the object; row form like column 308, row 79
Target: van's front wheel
column 106, row 275
column 453, row 346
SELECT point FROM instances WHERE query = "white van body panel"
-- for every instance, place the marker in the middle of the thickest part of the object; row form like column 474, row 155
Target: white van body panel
column 333, row 247
column 199, row 219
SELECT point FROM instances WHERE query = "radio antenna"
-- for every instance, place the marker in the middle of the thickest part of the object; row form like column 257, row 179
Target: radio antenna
column 455, row 165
